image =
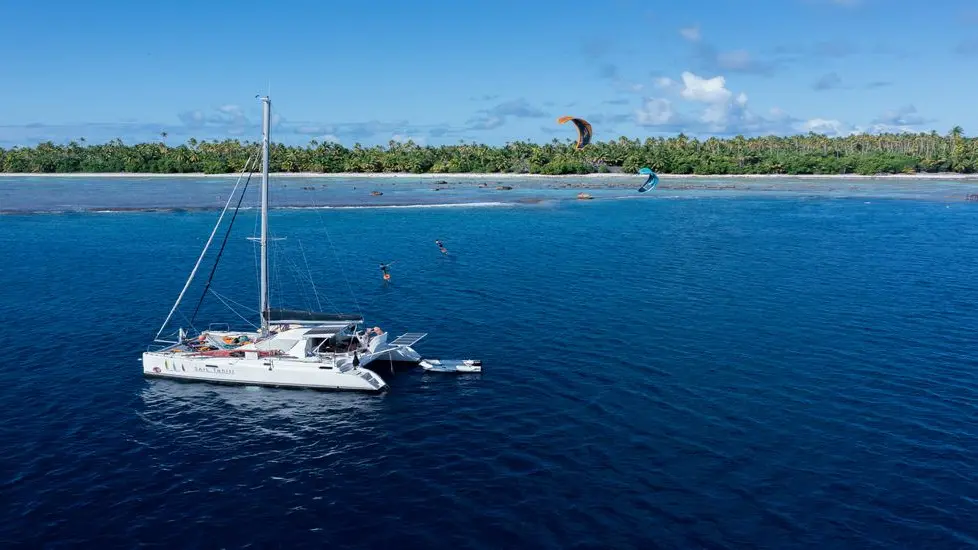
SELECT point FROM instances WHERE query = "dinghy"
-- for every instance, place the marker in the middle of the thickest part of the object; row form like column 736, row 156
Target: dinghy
column 451, row 365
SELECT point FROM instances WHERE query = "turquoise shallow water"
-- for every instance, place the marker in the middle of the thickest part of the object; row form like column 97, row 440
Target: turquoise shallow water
column 727, row 371
column 84, row 193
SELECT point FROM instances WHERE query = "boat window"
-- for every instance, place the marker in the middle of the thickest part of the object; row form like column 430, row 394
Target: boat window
column 322, row 345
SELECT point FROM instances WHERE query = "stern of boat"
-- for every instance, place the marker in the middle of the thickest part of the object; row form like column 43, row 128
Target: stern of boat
column 400, row 350
column 373, row 379
column 154, row 364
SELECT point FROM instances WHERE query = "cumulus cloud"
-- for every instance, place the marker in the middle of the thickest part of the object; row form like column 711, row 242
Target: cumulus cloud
column 903, row 116
column 711, row 108
column 826, row 127
column 705, row 90
column 703, row 105
column 656, row 111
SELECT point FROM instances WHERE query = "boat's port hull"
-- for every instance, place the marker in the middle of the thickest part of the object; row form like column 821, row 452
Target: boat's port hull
column 192, row 380
column 277, row 372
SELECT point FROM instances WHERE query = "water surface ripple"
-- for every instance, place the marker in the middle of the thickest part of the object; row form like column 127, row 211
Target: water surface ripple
column 715, row 373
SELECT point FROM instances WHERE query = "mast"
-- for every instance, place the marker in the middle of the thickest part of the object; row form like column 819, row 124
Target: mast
column 265, row 138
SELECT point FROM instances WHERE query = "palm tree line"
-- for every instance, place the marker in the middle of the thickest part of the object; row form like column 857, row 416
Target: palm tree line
column 800, row 154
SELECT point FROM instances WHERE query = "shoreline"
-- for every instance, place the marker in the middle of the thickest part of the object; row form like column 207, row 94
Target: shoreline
column 503, row 176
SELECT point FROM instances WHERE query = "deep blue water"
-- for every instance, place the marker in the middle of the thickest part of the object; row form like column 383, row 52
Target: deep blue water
column 709, row 373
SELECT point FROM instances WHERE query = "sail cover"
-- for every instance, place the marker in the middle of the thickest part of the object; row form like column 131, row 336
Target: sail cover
column 301, row 315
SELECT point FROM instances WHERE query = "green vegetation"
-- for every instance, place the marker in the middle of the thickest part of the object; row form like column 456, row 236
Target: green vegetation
column 803, row 154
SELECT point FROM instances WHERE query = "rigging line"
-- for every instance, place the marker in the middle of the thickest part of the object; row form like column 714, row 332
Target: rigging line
column 220, row 252
column 315, row 292
column 189, row 324
column 204, row 251
column 232, row 310
column 298, row 278
column 302, row 278
column 244, row 307
column 342, row 270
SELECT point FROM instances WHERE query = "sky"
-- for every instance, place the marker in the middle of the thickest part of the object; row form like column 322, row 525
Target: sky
column 489, row 71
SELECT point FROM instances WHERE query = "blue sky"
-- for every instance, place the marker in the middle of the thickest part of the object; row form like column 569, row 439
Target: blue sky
column 487, row 71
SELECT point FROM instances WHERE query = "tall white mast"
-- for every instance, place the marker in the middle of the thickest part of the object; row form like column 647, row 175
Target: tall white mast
column 265, row 138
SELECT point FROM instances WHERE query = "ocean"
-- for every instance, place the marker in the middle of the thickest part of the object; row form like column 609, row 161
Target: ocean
column 684, row 369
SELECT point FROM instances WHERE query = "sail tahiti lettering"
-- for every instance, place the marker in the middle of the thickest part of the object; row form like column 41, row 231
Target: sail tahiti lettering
column 213, row 369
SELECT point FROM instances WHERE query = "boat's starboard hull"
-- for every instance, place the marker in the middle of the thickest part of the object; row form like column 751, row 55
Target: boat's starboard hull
column 277, row 372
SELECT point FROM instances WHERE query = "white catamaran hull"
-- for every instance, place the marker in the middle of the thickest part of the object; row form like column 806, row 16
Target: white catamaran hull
column 278, row 372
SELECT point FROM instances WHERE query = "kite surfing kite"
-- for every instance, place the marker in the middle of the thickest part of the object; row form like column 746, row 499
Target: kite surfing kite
column 649, row 183
column 583, row 129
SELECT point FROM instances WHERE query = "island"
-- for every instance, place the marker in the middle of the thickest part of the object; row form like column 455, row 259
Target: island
column 808, row 154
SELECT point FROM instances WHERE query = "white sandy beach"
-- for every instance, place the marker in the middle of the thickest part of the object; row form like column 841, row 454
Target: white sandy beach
column 615, row 175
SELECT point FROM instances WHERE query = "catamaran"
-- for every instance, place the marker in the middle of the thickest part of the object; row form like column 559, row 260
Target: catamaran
column 290, row 348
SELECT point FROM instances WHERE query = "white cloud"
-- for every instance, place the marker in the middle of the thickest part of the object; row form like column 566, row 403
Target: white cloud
column 904, row 116
column 889, row 129
column 825, row 126
column 655, row 112
column 691, row 33
column 704, row 90
column 707, row 106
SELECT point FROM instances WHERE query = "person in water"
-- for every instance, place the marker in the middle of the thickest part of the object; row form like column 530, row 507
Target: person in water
column 441, row 247
column 384, row 268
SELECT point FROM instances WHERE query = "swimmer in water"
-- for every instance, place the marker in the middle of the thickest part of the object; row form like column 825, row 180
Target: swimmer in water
column 384, row 268
column 441, row 247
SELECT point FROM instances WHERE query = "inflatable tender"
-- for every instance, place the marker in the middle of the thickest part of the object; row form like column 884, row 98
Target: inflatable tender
column 451, row 365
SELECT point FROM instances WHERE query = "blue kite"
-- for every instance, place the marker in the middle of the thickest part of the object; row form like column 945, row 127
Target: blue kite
column 649, row 183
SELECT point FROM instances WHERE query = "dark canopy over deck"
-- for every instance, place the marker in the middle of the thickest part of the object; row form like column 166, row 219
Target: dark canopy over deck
column 286, row 315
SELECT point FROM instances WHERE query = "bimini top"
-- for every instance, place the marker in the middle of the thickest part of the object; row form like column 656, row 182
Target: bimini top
column 294, row 316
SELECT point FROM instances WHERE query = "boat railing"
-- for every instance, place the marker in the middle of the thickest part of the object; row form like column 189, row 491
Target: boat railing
column 216, row 327
column 158, row 346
